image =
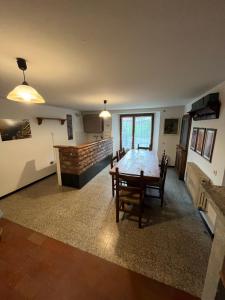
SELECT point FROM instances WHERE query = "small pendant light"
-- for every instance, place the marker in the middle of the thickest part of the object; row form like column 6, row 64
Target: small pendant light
column 105, row 113
column 23, row 92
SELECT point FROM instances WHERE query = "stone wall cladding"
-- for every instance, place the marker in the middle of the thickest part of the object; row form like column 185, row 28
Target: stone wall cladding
column 75, row 160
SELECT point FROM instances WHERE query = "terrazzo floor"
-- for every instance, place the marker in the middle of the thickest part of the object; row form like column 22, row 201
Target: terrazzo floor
column 172, row 248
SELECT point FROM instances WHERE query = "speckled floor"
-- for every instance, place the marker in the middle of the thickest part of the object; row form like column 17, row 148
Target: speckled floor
column 173, row 247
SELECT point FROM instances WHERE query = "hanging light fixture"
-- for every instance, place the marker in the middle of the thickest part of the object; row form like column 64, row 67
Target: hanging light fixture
column 105, row 113
column 24, row 92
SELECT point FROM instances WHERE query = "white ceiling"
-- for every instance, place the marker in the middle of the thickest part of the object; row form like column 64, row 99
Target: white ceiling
column 133, row 53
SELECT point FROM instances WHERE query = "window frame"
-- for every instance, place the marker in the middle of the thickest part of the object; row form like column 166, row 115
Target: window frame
column 133, row 116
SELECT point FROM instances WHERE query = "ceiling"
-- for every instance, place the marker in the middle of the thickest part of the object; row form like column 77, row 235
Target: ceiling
column 136, row 54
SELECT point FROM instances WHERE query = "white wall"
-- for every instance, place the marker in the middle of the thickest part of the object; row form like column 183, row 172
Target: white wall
column 161, row 141
column 169, row 141
column 215, row 169
column 27, row 160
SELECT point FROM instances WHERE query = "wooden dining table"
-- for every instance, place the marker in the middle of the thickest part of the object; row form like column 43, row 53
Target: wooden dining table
column 136, row 161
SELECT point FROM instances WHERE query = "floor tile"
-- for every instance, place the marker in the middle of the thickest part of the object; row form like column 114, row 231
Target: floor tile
column 65, row 272
column 166, row 249
column 37, row 238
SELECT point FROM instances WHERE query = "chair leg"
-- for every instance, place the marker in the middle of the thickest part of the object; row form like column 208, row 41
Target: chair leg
column 140, row 216
column 123, row 208
column 113, row 186
column 162, row 197
column 117, row 210
column 139, row 222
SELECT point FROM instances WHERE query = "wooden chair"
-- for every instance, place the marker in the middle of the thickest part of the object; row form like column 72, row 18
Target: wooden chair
column 163, row 160
column 114, row 160
column 163, row 157
column 129, row 190
column 158, row 187
column 145, row 148
column 121, row 153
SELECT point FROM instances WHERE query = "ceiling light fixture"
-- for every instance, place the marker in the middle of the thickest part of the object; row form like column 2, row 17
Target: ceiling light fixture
column 105, row 113
column 24, row 92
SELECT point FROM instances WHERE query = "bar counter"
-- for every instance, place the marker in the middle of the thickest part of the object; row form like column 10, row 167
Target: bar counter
column 76, row 165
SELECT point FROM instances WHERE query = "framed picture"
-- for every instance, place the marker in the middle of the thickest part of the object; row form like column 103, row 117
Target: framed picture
column 171, row 126
column 11, row 129
column 210, row 137
column 194, row 138
column 200, row 140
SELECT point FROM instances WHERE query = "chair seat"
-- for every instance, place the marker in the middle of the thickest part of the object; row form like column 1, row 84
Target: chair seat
column 129, row 197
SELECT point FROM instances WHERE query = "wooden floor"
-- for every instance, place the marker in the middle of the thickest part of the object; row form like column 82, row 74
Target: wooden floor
column 33, row 266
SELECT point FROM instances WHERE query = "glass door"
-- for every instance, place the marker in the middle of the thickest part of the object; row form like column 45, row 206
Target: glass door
column 136, row 130
column 126, row 132
column 143, row 131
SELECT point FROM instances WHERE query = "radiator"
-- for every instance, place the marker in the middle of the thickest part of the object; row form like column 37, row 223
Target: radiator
column 202, row 201
column 194, row 178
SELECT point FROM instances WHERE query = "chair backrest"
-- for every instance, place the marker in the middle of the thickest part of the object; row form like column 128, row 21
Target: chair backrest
column 164, row 158
column 163, row 173
column 145, row 148
column 131, row 180
column 121, row 153
column 114, row 160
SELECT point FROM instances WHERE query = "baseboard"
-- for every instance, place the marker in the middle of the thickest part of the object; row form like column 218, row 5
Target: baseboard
column 23, row 187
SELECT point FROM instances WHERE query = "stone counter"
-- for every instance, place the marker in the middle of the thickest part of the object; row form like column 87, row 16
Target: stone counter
column 78, row 164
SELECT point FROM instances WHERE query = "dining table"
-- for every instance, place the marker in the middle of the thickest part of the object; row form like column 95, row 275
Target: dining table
column 139, row 160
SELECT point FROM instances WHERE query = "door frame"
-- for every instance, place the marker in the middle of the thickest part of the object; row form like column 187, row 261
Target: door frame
column 133, row 128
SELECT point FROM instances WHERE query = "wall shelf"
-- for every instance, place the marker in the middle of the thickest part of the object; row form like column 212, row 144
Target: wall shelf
column 40, row 119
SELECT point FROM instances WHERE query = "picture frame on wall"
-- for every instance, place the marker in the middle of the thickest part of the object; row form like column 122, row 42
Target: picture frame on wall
column 200, row 140
column 194, row 138
column 13, row 129
column 171, row 126
column 210, row 138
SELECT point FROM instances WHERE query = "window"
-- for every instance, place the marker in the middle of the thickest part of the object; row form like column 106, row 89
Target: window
column 136, row 130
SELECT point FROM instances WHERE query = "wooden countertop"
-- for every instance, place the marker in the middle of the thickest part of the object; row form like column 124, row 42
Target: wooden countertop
column 82, row 145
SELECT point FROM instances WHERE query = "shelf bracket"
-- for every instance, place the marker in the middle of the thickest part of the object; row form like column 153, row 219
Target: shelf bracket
column 40, row 120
